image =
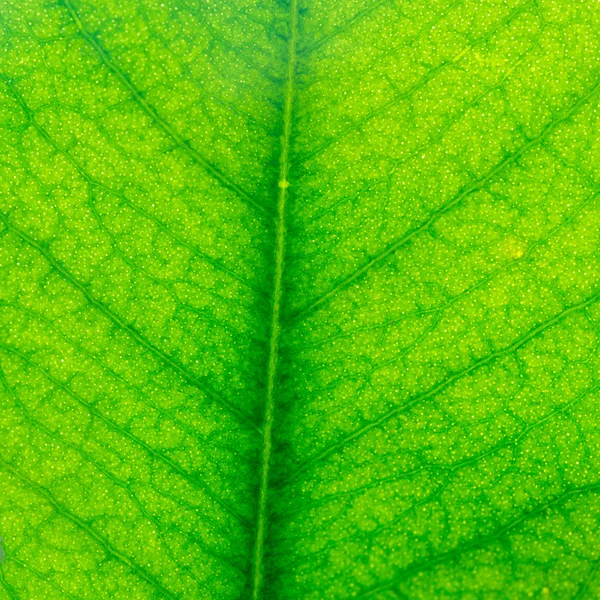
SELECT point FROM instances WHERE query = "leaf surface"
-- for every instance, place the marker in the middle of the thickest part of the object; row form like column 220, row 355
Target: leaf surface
column 300, row 300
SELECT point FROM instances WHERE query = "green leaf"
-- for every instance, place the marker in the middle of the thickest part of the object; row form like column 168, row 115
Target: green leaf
column 299, row 300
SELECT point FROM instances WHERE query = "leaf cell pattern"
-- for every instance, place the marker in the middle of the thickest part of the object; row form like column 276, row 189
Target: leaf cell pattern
column 300, row 299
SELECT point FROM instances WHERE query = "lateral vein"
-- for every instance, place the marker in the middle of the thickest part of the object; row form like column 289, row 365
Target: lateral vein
column 241, row 415
column 275, row 332
column 212, row 169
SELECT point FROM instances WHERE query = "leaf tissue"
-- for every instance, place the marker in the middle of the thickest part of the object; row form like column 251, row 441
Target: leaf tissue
column 299, row 299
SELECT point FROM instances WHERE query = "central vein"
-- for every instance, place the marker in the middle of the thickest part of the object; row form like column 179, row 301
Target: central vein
column 275, row 333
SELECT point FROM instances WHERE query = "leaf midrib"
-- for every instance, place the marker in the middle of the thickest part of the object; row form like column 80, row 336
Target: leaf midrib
column 276, row 305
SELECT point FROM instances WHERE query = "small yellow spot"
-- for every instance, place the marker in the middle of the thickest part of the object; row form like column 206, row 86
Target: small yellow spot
column 284, row 184
column 514, row 248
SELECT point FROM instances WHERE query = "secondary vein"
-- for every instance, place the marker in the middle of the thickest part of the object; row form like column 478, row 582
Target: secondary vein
column 275, row 327
column 166, row 127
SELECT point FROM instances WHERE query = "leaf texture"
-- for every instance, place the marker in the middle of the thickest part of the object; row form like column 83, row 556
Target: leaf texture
column 300, row 300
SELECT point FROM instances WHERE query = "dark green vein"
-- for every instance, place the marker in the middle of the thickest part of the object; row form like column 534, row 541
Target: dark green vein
column 141, row 396
column 126, row 327
column 114, row 479
column 10, row 590
column 421, row 83
column 449, row 206
column 357, row 18
column 204, row 21
column 443, row 385
column 43, row 577
column 108, row 548
column 123, row 432
column 210, row 168
column 477, row 543
column 585, row 585
column 367, row 12
column 94, row 183
column 435, row 138
column 283, row 183
column 453, row 469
